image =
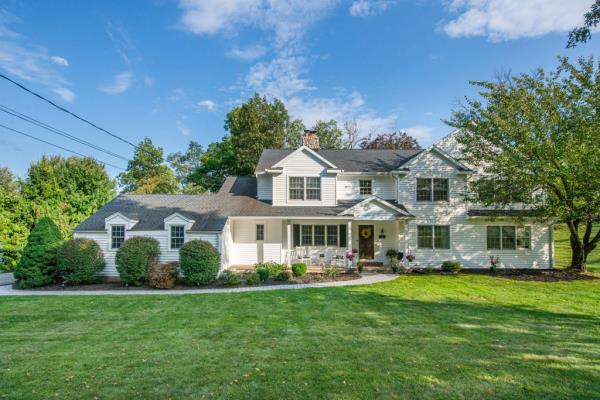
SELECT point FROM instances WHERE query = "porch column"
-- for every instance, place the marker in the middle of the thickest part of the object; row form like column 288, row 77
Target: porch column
column 289, row 244
column 406, row 246
column 349, row 240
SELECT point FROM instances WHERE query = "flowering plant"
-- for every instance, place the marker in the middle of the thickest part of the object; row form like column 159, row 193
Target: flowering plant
column 494, row 261
column 349, row 255
column 410, row 257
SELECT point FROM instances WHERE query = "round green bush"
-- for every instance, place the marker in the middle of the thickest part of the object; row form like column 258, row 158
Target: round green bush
column 37, row 266
column 79, row 261
column 299, row 269
column 451, row 266
column 200, row 262
column 263, row 273
column 252, row 279
column 230, row 278
column 284, row 276
column 134, row 257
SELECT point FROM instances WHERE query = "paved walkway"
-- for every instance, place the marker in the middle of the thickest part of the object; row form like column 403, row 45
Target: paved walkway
column 366, row 279
column 7, row 279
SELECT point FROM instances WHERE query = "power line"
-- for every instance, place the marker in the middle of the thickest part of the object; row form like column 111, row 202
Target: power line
column 60, row 147
column 67, row 111
column 57, row 131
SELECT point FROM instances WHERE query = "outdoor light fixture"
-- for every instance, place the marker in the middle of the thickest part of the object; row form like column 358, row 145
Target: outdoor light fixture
column 382, row 234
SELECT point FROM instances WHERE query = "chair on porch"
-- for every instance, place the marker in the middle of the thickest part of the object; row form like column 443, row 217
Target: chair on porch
column 303, row 254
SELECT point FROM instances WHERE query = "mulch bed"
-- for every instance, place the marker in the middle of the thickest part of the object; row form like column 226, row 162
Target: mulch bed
column 115, row 285
column 533, row 275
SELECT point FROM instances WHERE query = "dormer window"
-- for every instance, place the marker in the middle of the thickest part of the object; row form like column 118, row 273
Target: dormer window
column 435, row 189
column 304, row 188
column 117, row 236
column 177, row 236
column 365, row 187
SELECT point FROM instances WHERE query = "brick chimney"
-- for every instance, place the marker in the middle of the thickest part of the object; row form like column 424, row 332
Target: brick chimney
column 310, row 139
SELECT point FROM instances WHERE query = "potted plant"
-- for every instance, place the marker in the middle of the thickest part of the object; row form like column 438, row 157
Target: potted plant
column 350, row 258
column 360, row 266
column 494, row 261
column 410, row 257
column 392, row 254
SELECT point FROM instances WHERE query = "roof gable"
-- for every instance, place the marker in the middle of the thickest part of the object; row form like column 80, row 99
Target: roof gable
column 307, row 150
column 433, row 149
column 375, row 208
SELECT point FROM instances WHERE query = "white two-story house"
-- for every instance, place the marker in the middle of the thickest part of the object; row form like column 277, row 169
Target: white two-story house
column 316, row 205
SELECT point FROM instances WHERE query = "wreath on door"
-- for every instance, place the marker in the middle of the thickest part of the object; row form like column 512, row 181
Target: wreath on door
column 365, row 233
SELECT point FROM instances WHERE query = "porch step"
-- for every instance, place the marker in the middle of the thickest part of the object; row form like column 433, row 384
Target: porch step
column 376, row 268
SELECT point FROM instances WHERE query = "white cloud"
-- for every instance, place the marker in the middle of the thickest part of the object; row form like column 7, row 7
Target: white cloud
column 60, row 61
column 207, row 105
column 500, row 20
column 368, row 8
column 29, row 61
column 423, row 133
column 247, row 54
column 120, row 84
column 280, row 77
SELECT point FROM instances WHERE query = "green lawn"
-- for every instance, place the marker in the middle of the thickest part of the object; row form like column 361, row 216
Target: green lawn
column 420, row 336
column 563, row 248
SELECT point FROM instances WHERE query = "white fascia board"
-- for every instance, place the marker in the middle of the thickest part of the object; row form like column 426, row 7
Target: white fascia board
column 121, row 220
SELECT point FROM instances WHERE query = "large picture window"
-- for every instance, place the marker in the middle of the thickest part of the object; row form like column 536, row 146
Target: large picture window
column 332, row 235
column 508, row 237
column 307, row 235
column 319, row 235
column 304, row 188
column 433, row 236
column 177, row 236
column 432, row 189
column 117, row 236
column 319, row 238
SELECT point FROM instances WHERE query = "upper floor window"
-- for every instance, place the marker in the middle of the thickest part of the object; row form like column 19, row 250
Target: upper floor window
column 365, row 186
column 260, row 232
column 305, row 188
column 508, row 237
column 177, row 236
column 433, row 236
column 117, row 236
column 432, row 189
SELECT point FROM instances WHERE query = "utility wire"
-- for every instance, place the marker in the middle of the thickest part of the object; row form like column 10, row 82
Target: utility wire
column 57, row 131
column 67, row 111
column 57, row 146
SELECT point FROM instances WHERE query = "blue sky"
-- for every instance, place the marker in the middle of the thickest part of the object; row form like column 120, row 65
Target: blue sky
column 171, row 70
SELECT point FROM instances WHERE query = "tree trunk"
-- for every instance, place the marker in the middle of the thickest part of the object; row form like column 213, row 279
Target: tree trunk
column 580, row 249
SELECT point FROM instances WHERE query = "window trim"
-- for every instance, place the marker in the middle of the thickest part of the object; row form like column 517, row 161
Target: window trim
column 517, row 237
column 110, row 243
column 171, row 226
column 360, row 187
column 264, row 231
column 433, row 246
column 325, row 232
column 305, row 188
column 432, row 190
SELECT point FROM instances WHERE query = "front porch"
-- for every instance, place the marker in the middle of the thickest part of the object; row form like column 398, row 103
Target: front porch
column 316, row 242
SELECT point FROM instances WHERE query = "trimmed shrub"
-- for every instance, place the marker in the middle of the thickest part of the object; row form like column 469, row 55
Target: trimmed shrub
column 451, row 266
column 134, row 257
column 263, row 273
column 253, row 278
column 162, row 276
column 230, row 278
column 284, row 276
column 299, row 269
column 37, row 266
column 273, row 267
column 79, row 261
column 330, row 272
column 200, row 262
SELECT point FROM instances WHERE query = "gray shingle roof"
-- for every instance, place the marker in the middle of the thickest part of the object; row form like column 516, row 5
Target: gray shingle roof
column 237, row 197
column 351, row 160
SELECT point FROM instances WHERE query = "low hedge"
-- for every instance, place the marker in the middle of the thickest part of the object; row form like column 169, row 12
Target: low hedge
column 79, row 261
column 299, row 269
column 451, row 266
column 134, row 257
column 200, row 262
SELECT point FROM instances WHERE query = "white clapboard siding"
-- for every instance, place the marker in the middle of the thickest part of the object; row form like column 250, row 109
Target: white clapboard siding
column 304, row 164
column 348, row 187
column 166, row 254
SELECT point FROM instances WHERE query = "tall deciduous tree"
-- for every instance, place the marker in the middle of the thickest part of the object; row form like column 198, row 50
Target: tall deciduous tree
column 68, row 190
column 14, row 221
column 539, row 134
column 351, row 133
column 184, row 163
column 329, row 134
column 256, row 125
column 147, row 171
column 584, row 33
column 391, row 141
column 218, row 162
column 293, row 134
